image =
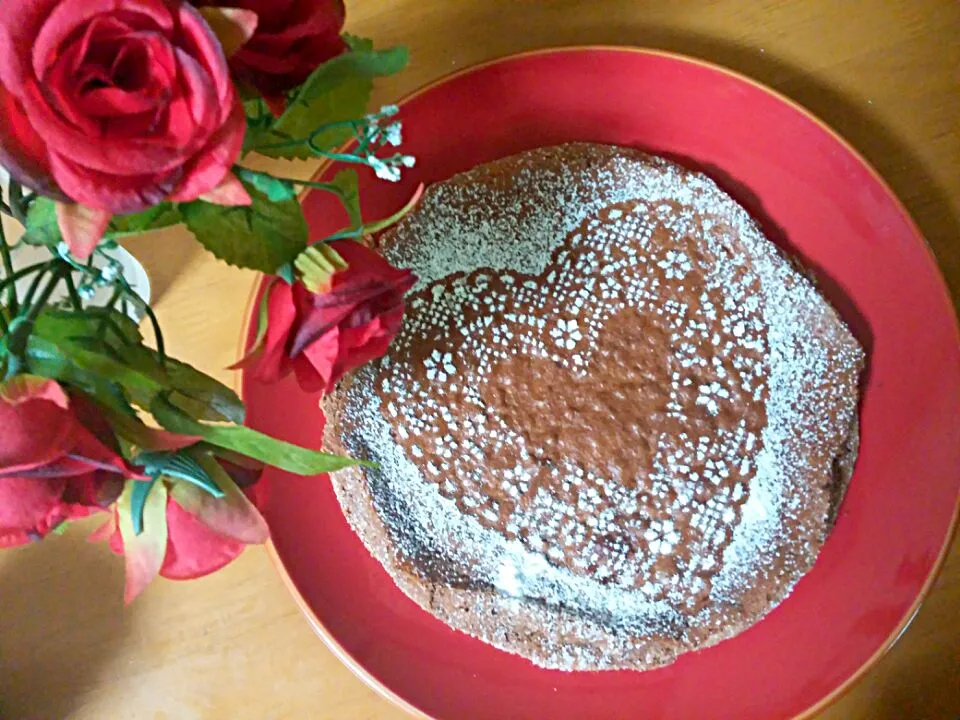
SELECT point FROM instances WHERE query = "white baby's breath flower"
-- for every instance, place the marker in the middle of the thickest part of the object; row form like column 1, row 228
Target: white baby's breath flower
column 393, row 134
column 384, row 171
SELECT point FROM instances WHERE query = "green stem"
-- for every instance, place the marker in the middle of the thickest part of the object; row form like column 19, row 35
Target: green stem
column 329, row 187
column 11, row 279
column 75, row 298
column 16, row 202
column 105, row 320
column 22, row 326
column 309, row 139
column 340, row 157
column 157, row 334
column 12, row 301
column 34, row 286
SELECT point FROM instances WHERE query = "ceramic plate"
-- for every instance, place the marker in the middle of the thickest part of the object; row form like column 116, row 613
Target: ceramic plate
column 820, row 201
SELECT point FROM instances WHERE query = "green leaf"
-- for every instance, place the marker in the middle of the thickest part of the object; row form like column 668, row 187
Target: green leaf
column 337, row 91
column 70, row 325
column 159, row 216
column 251, row 443
column 143, row 552
column 346, row 183
column 199, row 395
column 69, row 344
column 263, row 324
column 262, row 236
column 275, row 189
column 114, row 366
column 259, row 120
column 357, row 43
column 46, row 359
column 42, row 227
column 140, row 436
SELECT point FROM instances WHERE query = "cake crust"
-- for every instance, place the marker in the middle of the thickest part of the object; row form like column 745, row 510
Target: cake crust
column 617, row 424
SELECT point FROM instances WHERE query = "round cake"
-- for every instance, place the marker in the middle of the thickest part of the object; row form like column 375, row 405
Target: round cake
column 617, row 422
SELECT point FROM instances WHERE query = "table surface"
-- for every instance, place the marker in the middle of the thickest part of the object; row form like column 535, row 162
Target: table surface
column 884, row 73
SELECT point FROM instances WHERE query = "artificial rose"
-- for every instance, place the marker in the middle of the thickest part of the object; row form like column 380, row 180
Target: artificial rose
column 322, row 336
column 58, row 459
column 293, row 37
column 117, row 105
column 203, row 533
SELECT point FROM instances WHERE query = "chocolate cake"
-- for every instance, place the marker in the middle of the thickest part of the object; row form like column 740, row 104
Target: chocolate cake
column 617, row 423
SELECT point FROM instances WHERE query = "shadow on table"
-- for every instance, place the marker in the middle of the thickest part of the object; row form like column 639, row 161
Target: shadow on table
column 927, row 200
column 164, row 254
column 61, row 618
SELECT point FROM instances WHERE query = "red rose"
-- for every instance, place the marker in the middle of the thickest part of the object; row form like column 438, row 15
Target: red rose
column 203, row 533
column 321, row 336
column 293, row 37
column 58, row 459
column 117, row 105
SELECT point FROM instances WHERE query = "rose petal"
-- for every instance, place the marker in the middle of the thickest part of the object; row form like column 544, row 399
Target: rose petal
column 232, row 26
column 194, row 549
column 28, row 506
column 116, row 194
column 205, row 43
column 292, row 39
column 69, row 15
column 322, row 356
column 22, row 151
column 20, row 23
column 281, row 315
column 354, row 290
column 37, row 428
column 120, row 156
column 209, row 168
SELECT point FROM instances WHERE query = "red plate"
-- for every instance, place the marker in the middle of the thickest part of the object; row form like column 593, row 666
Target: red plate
column 817, row 198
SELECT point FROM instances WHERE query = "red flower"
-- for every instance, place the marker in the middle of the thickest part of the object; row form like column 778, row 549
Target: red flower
column 58, row 459
column 293, row 37
column 118, row 105
column 200, row 533
column 322, row 336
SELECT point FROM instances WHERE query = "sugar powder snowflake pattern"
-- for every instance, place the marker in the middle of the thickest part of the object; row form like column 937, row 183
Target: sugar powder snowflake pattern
column 566, row 334
column 440, row 366
column 675, row 265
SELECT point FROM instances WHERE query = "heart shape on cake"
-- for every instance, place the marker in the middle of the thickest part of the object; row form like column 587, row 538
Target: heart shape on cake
column 602, row 412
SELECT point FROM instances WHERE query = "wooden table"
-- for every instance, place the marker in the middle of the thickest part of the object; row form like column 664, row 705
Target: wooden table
column 885, row 74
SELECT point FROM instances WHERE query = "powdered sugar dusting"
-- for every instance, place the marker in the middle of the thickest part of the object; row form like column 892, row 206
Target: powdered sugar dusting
column 663, row 545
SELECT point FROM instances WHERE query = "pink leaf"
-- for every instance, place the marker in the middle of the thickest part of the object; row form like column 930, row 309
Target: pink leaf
column 145, row 436
column 230, row 192
column 143, row 554
column 232, row 516
column 22, row 388
column 81, row 227
column 106, row 530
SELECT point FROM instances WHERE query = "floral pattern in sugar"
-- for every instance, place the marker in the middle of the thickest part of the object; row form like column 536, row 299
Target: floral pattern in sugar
column 627, row 258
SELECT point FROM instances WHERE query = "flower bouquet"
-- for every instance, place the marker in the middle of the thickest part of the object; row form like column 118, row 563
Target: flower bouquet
column 118, row 117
